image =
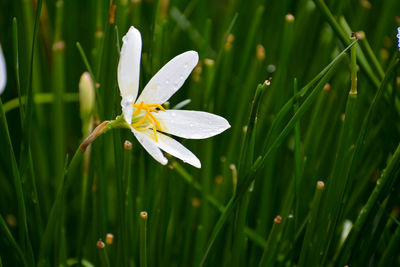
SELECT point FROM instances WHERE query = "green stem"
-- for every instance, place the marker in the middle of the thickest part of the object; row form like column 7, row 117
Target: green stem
column 143, row 239
column 297, row 161
column 269, row 255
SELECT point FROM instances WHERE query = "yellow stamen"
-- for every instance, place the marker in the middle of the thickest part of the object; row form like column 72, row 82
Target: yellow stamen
column 148, row 108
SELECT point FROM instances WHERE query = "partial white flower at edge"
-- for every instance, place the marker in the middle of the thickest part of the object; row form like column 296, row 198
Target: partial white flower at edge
column 398, row 37
column 3, row 72
column 147, row 119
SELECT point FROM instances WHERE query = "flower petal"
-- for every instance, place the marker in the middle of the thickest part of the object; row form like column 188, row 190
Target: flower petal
column 127, row 108
column 129, row 63
column 191, row 124
column 3, row 72
column 169, row 78
column 173, row 147
column 150, row 146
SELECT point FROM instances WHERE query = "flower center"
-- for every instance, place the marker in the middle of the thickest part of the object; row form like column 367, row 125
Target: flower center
column 148, row 116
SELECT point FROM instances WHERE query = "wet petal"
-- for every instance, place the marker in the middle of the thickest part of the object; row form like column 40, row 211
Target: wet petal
column 191, row 124
column 169, row 78
column 129, row 63
column 3, row 72
column 173, row 147
column 150, row 146
column 127, row 108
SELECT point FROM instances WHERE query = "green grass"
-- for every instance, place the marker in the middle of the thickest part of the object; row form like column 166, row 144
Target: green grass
column 314, row 142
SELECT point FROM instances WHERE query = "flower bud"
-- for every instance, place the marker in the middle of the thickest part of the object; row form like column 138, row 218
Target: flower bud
column 127, row 145
column 100, row 244
column 86, row 95
column 143, row 214
column 260, row 52
column 109, row 238
column 278, row 219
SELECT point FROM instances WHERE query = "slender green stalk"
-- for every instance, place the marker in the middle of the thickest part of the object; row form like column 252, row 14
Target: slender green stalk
column 53, row 222
column 104, row 259
column 17, row 75
column 297, row 161
column 25, row 145
column 389, row 256
column 345, row 39
column 23, row 226
column 89, row 69
column 58, row 87
column 6, row 234
column 143, row 239
column 86, row 61
column 269, row 256
column 309, row 238
column 339, row 178
column 250, row 175
column 246, row 159
column 389, row 176
column 39, row 98
column 129, row 203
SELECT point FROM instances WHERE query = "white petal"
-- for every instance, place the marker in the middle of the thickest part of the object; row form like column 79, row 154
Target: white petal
column 3, row 72
column 127, row 108
column 191, row 124
column 150, row 146
column 173, row 147
column 169, row 78
column 129, row 63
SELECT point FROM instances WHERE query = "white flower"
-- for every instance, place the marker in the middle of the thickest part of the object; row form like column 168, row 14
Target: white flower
column 147, row 119
column 3, row 72
column 398, row 37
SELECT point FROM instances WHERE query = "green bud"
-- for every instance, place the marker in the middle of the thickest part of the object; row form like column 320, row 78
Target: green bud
column 86, row 95
column 86, row 101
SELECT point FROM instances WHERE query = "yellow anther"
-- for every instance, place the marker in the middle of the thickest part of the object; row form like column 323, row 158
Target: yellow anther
column 149, row 117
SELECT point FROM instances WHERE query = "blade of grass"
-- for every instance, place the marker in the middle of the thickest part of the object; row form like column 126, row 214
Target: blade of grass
column 6, row 234
column 25, row 144
column 23, row 225
column 269, row 255
column 345, row 39
column 143, row 239
column 39, row 98
column 56, row 211
column 346, row 250
column 245, row 160
column 58, row 83
column 16, row 64
column 250, row 176
column 389, row 256
column 309, row 238
column 337, row 182
column 297, row 160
